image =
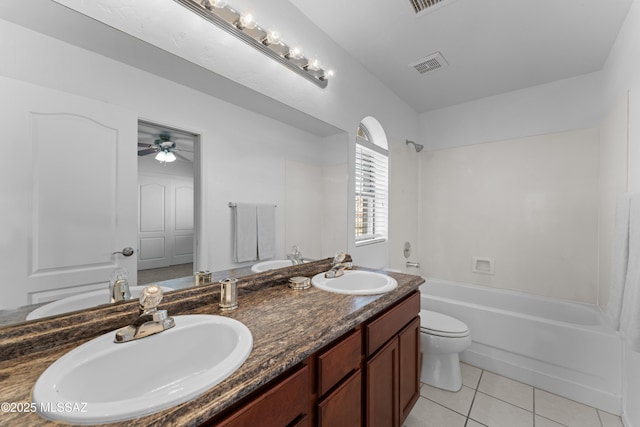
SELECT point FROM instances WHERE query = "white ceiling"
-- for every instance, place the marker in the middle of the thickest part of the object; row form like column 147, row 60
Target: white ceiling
column 492, row 46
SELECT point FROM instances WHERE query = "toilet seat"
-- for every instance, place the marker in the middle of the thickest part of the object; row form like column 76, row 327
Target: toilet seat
column 441, row 325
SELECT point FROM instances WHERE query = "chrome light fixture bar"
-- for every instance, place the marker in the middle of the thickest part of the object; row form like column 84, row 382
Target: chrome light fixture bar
column 246, row 29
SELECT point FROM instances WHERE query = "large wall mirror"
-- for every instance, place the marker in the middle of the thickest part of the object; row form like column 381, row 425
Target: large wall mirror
column 79, row 192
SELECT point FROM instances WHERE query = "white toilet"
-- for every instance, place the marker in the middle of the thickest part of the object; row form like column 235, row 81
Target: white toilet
column 443, row 337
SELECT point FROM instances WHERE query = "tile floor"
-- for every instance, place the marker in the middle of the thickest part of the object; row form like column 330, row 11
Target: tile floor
column 488, row 399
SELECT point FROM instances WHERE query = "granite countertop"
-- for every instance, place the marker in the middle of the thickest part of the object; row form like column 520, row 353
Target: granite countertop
column 287, row 326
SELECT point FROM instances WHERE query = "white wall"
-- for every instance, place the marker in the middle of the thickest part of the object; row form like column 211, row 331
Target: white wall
column 403, row 204
column 612, row 181
column 622, row 74
column 573, row 103
column 351, row 95
column 530, row 204
column 551, row 115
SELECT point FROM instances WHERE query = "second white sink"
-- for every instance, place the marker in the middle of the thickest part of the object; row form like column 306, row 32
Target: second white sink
column 356, row 282
column 272, row 264
column 80, row 302
column 123, row 381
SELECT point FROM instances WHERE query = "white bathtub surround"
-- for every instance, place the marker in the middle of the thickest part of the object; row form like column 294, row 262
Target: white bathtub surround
column 619, row 260
column 562, row 347
column 624, row 299
column 540, row 226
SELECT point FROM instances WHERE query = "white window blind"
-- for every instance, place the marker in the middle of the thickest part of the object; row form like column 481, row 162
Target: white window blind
column 372, row 184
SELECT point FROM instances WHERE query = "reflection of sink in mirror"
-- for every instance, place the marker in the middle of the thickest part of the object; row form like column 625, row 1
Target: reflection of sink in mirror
column 356, row 282
column 270, row 265
column 80, row 302
column 122, row 381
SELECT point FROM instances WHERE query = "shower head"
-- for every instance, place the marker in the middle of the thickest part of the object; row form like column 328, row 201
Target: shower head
column 418, row 147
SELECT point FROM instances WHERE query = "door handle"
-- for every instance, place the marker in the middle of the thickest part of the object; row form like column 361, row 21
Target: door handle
column 128, row 251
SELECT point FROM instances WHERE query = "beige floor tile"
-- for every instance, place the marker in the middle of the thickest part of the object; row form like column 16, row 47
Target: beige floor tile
column 429, row 414
column 496, row 413
column 459, row 401
column 543, row 422
column 565, row 411
column 506, row 389
column 472, row 423
column 609, row 420
column 470, row 375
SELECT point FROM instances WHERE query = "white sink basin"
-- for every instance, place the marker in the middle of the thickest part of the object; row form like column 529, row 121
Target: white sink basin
column 356, row 282
column 122, row 381
column 80, row 302
column 270, row 265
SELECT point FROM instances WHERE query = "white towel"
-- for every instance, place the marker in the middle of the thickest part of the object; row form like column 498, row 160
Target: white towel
column 630, row 316
column 245, row 232
column 266, row 231
column 619, row 260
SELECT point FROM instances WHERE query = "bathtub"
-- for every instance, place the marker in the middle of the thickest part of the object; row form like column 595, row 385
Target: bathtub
column 563, row 347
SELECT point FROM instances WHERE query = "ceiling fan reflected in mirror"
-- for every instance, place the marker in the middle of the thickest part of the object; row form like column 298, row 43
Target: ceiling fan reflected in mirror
column 164, row 147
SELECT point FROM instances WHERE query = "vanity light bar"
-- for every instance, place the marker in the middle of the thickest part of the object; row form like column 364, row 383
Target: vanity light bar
column 246, row 29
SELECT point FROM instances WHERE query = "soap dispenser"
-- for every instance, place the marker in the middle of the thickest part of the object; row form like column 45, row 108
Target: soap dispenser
column 119, row 286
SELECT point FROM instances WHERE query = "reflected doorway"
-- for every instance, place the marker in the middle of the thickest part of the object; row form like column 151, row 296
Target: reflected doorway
column 166, row 202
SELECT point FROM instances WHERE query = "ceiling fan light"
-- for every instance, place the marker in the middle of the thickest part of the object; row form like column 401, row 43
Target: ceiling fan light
column 161, row 156
column 170, row 157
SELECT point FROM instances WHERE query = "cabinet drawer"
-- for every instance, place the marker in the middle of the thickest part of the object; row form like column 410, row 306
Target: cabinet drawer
column 343, row 406
column 337, row 362
column 389, row 324
column 302, row 422
column 276, row 407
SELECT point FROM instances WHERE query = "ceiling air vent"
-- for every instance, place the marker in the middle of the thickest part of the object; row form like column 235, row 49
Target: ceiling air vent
column 433, row 62
column 420, row 5
column 423, row 6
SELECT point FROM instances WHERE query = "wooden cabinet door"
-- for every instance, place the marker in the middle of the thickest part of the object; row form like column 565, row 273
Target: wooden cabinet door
column 382, row 384
column 409, row 345
column 343, row 406
column 279, row 406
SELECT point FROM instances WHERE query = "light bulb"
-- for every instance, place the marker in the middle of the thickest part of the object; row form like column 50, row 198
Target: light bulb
column 247, row 21
column 219, row 4
column 295, row 53
column 170, row 157
column 273, row 37
column 161, row 156
column 314, row 64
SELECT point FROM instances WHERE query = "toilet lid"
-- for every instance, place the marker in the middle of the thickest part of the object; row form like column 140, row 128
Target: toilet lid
column 442, row 325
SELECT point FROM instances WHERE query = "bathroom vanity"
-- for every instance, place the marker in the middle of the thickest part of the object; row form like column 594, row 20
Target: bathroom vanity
column 370, row 373
column 317, row 356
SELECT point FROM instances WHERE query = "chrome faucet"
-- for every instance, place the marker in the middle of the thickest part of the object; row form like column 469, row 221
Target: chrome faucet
column 295, row 256
column 338, row 266
column 151, row 320
column 118, row 286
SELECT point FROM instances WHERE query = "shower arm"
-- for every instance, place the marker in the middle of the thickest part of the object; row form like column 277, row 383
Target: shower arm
column 418, row 147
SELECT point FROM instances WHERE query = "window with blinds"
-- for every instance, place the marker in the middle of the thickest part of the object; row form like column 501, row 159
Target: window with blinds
column 372, row 183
